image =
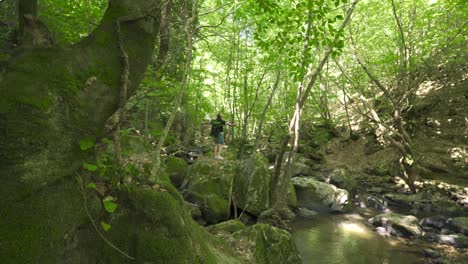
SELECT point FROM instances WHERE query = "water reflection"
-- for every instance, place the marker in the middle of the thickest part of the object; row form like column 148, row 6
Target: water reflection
column 346, row 239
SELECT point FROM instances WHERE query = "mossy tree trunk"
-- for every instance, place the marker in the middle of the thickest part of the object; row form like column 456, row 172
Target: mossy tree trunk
column 50, row 99
column 25, row 7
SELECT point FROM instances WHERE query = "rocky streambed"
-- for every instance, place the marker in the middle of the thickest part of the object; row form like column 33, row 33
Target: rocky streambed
column 373, row 219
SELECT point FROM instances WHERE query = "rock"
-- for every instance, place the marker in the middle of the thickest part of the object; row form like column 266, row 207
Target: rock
column 459, row 225
column 458, row 241
column 304, row 212
column 401, row 200
column 229, row 227
column 176, row 168
column 316, row 195
column 342, row 179
column 209, row 185
column 431, row 253
column 264, row 244
column 437, row 221
column 426, row 202
column 299, row 168
column 377, row 203
column 381, row 231
column 194, row 210
column 160, row 225
column 398, row 225
column 247, row 219
column 251, row 188
column 445, row 231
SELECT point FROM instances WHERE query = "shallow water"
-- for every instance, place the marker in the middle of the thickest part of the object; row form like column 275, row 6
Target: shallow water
column 348, row 239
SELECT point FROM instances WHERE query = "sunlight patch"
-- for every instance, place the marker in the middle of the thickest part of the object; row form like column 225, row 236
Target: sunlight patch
column 354, row 228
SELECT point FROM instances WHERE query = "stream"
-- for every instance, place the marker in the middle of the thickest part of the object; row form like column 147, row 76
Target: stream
column 348, row 239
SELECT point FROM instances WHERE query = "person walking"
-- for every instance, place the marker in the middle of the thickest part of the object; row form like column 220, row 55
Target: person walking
column 217, row 128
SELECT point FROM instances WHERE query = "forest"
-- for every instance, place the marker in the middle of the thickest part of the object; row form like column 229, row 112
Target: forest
column 244, row 131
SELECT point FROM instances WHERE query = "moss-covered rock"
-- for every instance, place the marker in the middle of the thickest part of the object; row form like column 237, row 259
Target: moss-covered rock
column 398, row 225
column 264, row 244
column 151, row 225
column 229, row 227
column 425, row 201
column 252, row 185
column 209, row 186
column 176, row 168
column 316, row 195
column 459, row 224
column 343, row 179
column 154, row 226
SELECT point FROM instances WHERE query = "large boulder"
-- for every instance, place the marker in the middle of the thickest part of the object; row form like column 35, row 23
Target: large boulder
column 398, row 225
column 316, row 195
column 343, row 179
column 176, row 168
column 459, row 225
column 252, row 185
column 264, row 244
column 209, row 186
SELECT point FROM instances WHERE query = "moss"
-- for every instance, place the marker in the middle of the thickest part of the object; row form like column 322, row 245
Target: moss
column 209, row 186
column 459, row 224
column 268, row 245
column 252, row 185
column 34, row 230
column 292, row 196
column 230, row 226
column 177, row 170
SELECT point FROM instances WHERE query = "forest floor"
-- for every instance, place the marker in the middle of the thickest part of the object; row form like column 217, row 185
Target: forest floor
column 438, row 124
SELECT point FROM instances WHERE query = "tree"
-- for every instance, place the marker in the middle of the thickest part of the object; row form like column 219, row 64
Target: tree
column 51, row 98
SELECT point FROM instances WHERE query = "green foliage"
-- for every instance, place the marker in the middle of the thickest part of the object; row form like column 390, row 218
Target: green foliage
column 90, row 167
column 91, row 185
column 105, row 226
column 87, row 143
column 71, row 20
column 109, row 205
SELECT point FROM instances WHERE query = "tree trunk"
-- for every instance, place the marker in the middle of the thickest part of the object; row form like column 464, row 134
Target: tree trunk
column 280, row 190
column 52, row 98
column 189, row 34
column 258, row 133
column 25, row 7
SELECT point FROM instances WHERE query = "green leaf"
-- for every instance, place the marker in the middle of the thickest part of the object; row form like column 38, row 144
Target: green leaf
column 90, row 167
column 87, row 143
column 110, row 206
column 91, row 185
column 105, row 226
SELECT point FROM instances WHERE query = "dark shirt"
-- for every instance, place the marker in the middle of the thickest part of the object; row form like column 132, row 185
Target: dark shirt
column 217, row 126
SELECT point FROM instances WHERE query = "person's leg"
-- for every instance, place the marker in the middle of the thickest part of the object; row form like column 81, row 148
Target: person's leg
column 221, row 143
column 218, row 147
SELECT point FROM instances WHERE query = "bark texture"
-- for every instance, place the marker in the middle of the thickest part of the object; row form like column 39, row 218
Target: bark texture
column 50, row 99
